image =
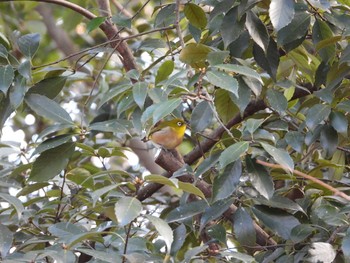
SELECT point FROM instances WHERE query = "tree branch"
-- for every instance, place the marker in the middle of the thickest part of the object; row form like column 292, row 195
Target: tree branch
column 308, row 177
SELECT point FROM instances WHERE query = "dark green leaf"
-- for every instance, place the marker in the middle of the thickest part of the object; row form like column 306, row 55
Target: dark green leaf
column 139, row 91
column 17, row 92
column 28, row 44
column 281, row 202
column 52, row 143
column 193, row 252
column 243, row 227
column 217, row 57
column 48, row 108
column 252, row 125
column 6, row 77
column 109, row 126
column 257, row 30
column 301, row 232
column 295, row 140
column 3, row 51
column 25, row 69
column 281, row 156
column 260, row 178
column 164, row 71
column 165, row 108
column 321, row 31
column 277, row 101
column 232, row 26
column 195, row 15
column 345, row 56
column 268, row 61
column 179, row 239
column 51, row 162
column 186, row 211
column 95, row 23
column 224, row 105
column 113, row 92
column 339, row 122
column 6, row 240
column 329, row 139
column 281, row 13
column 226, row 182
column 233, row 153
column 243, row 98
column 345, row 246
column 207, row 164
column 277, row 220
column 217, row 233
column 223, row 80
column 317, row 114
column 215, row 211
column 127, row 209
column 202, row 117
column 242, row 70
column 50, row 87
column 165, row 16
column 121, row 21
column 295, row 30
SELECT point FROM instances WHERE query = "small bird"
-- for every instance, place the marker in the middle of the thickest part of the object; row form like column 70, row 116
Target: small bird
column 168, row 134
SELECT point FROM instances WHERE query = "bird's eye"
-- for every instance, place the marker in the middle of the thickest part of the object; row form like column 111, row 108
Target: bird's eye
column 179, row 123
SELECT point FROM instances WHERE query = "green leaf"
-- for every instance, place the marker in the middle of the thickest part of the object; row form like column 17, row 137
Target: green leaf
column 207, row 164
column 95, row 23
column 223, row 80
column 252, row 125
column 281, row 157
column 260, row 178
column 233, row 153
column 301, row 232
column 122, row 21
column 52, row 143
column 25, row 69
column 281, row 13
column 224, row 106
column 127, row 209
column 267, row 60
column 193, row 252
column 195, row 15
column 48, row 108
column 81, row 176
column 244, row 95
column 194, row 54
column 232, row 26
column 49, row 87
column 190, row 188
column 277, row 101
column 165, row 108
column 257, row 30
column 226, row 183
column 164, row 71
column 165, row 16
column 28, row 44
column 321, row 31
column 179, row 239
column 6, row 240
column 30, row 188
column 186, row 211
column 163, row 229
column 242, row 70
column 114, row 125
column 345, row 246
column 295, row 30
column 17, row 92
column 345, row 55
column 202, row 117
column 329, row 139
column 6, row 78
column 51, row 162
column 243, row 227
column 3, row 50
column 95, row 195
column 217, row 233
column 317, row 114
column 277, row 220
column 339, row 121
column 215, row 211
column 139, row 91
column 217, row 57
column 15, row 202
column 295, row 140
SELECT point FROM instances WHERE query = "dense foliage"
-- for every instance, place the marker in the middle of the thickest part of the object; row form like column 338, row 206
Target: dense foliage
column 262, row 174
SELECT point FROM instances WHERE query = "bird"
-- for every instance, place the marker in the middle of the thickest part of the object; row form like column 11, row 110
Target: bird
column 167, row 134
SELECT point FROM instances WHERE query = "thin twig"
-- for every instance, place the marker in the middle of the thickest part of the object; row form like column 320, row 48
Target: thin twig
column 308, row 177
column 126, row 241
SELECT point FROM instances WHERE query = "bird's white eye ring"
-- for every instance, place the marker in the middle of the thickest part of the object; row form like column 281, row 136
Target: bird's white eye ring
column 179, row 123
